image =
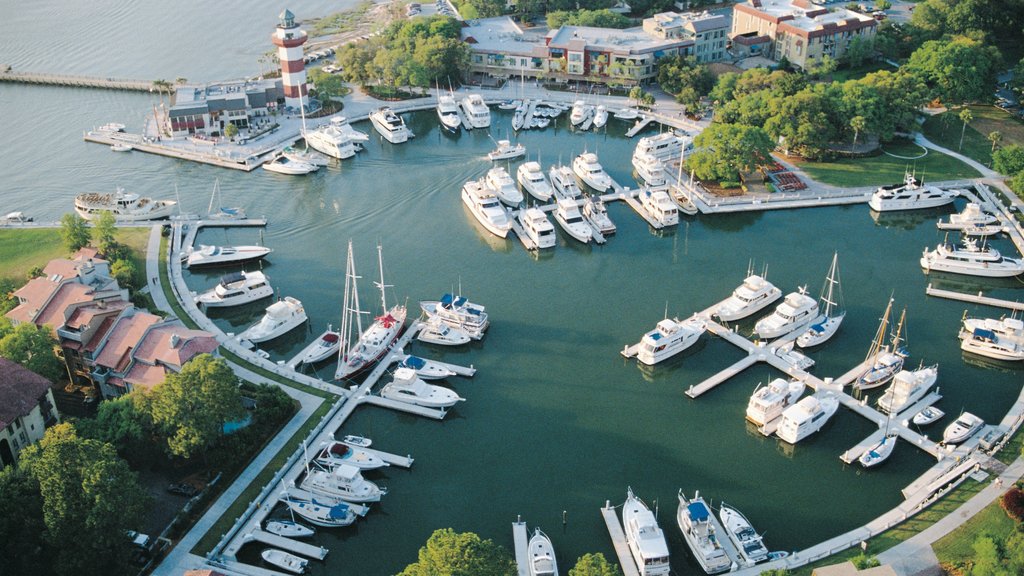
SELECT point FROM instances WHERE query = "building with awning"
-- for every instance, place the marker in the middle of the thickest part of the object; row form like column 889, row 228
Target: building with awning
column 209, row 108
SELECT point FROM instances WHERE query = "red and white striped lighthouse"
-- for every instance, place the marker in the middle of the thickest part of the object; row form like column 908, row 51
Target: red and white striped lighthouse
column 289, row 39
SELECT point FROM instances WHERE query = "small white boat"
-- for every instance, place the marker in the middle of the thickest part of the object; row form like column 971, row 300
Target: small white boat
column 111, row 127
column 506, row 151
column 541, row 555
column 964, row 427
column 390, row 125
column 499, row 182
column 595, row 212
column 15, row 218
column 458, row 312
column 354, row 440
column 797, row 311
column 989, row 344
column 321, row 510
column 121, row 147
column 644, row 537
column 221, row 255
column 600, row 117
column 752, row 296
column 907, row 387
column 669, row 337
column 289, row 529
column 476, row 110
column 748, row 542
column 281, row 317
column 878, row 453
column 971, row 260
column 769, row 402
column 336, row 453
column 426, row 369
column 407, row 387
column 972, row 218
column 568, row 216
column 236, row 289
column 806, row 417
column 531, row 178
column 308, row 156
column 325, row 347
column 627, row 114
column 910, row 195
column 436, row 331
column 283, row 164
column 509, row 104
column 448, row 113
column 590, row 171
column 828, row 323
column 564, row 183
column 343, row 481
column 486, row 207
column 284, row 560
column 538, row 228
column 659, row 206
column 540, row 122
column 580, row 112
column 928, row 416
column 695, row 522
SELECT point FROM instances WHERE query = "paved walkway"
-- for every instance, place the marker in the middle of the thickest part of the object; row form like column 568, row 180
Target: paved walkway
column 985, row 170
column 153, row 269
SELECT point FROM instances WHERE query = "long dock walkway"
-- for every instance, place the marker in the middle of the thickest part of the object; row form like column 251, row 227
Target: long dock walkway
column 302, row 548
column 640, row 124
column 519, row 539
column 195, row 225
column 77, row 81
column 978, row 298
column 611, row 520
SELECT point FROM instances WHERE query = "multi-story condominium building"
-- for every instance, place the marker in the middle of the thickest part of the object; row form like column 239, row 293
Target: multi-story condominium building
column 708, row 32
column 26, row 409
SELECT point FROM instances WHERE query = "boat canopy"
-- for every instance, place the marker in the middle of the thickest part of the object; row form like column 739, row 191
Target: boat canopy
column 449, row 301
column 330, row 338
column 698, row 511
column 984, row 334
column 415, row 362
column 339, row 511
column 232, row 278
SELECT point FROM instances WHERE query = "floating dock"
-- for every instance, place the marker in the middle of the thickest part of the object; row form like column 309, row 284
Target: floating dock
column 404, row 407
column 520, row 538
column 611, row 520
column 978, row 298
column 640, row 124
column 294, row 546
column 195, row 225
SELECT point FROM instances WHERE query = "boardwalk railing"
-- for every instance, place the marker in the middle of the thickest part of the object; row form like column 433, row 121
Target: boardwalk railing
column 79, row 81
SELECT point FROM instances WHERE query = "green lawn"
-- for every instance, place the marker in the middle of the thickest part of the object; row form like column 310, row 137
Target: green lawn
column 956, row 547
column 885, row 169
column 944, row 129
column 22, row 249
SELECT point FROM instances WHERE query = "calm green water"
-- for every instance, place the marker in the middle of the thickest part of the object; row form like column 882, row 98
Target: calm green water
column 555, row 418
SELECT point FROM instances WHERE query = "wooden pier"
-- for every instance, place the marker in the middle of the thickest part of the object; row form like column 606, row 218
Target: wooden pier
column 531, row 106
column 640, row 124
column 978, row 298
column 611, row 520
column 294, row 546
column 520, row 538
column 77, row 81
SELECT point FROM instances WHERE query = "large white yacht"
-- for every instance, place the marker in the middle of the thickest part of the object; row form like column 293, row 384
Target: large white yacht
column 564, row 183
column 220, row 255
column 907, row 387
column 284, row 560
column 973, row 220
column 665, row 146
column 407, row 387
column 695, row 522
column 486, row 207
column 659, row 206
column 499, row 182
column 336, row 453
column 645, row 538
column 591, row 172
column 769, row 402
column 806, row 417
column 752, row 296
column 336, row 139
column 1011, row 329
column 426, row 369
column 748, row 542
column 796, row 312
column 281, row 317
column 971, row 260
column 236, row 289
column 125, row 206
column 506, row 150
column 568, row 216
column 650, row 169
column 476, row 111
column 669, row 337
column 458, row 312
column 910, row 195
column 537, row 227
column 532, row 179
column 344, row 481
column 580, row 112
column 448, row 113
column 541, row 555
column 987, row 343
column 595, row 212
column 390, row 125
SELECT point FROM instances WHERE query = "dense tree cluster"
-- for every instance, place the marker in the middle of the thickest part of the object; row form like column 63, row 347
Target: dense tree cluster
column 684, row 78
column 956, row 70
column 460, row 554
column 32, row 347
column 1010, row 161
column 597, row 18
column 594, row 565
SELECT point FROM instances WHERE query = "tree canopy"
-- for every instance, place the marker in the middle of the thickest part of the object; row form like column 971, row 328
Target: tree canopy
column 684, row 78
column 723, row 150
column 602, row 18
column 956, row 71
column 448, row 553
column 74, row 231
column 1009, row 160
column 105, row 231
column 22, row 532
column 33, row 348
column 594, row 565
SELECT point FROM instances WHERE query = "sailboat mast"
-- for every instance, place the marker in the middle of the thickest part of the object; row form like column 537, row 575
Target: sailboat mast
column 346, row 323
column 830, row 283
column 380, row 265
column 899, row 330
column 876, row 344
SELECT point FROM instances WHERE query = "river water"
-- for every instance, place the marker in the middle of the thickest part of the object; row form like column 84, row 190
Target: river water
column 555, row 419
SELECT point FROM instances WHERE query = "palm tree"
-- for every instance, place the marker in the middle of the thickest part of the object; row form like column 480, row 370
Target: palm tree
column 180, row 80
column 857, row 123
column 965, row 117
column 995, row 137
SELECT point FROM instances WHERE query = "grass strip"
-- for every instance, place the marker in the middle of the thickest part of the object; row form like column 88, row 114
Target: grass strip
column 957, row 547
column 885, row 169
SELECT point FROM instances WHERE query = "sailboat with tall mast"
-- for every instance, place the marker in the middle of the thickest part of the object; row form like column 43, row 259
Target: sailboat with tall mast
column 880, row 451
column 832, row 301
column 682, row 193
column 885, row 360
column 371, row 344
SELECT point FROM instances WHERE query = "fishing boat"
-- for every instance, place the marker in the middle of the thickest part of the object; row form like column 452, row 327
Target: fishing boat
column 321, row 511
column 907, row 387
column 236, row 289
column 767, row 403
column 749, row 543
column 426, row 369
column 879, row 452
column 750, row 297
column 910, row 195
column 282, row 163
column 885, row 360
column 486, row 207
column 600, row 117
column 223, row 255
column 644, row 537
column 506, row 151
column 407, row 387
column 458, row 312
column 806, row 417
column 989, row 344
column 336, row 453
column 281, row 317
column 476, row 111
column 659, row 206
column 971, row 260
column 371, row 344
column 289, row 529
column 343, row 481
column 590, row 171
column 973, row 220
column 284, row 560
column 126, row 207
column 928, row 416
column 390, row 125
column 501, row 184
column 531, row 178
column 564, row 183
column 568, row 216
column 964, row 427
column 538, row 228
column 797, row 311
column 669, row 337
column 325, row 346
column 696, row 524
column 436, row 331
column 541, row 555
column 832, row 297
column 448, row 113
column 595, row 212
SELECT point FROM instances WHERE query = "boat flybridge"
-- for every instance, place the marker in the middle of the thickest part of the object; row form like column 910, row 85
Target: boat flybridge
column 749, row 543
column 531, row 178
column 221, row 255
column 568, row 216
column 807, row 417
column 458, row 312
column 910, row 195
column 236, row 289
column 644, row 537
column 538, row 228
column 797, row 311
column 832, row 298
column 665, row 146
column 499, row 182
column 973, row 221
column 651, row 170
column 409, row 388
column 748, row 298
column 971, row 260
column 886, row 360
column 343, row 481
column 506, row 150
column 486, row 207
column 767, row 403
column 1011, row 329
column 695, row 522
column 590, row 171
column 448, row 113
column 596, row 213
column 564, row 183
column 670, row 337
column 336, row 139
column 476, row 111
column 907, row 387
column 659, row 205
column 281, row 317
column 390, row 125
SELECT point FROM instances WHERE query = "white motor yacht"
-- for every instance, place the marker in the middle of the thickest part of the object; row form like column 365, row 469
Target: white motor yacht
column 928, row 416
column 590, row 171
column 427, row 369
column 645, row 538
column 236, row 289
column 538, row 228
column 886, row 360
column 333, row 140
column 568, row 216
column 336, row 453
column 281, row 317
column 283, row 163
column 595, row 212
column 407, row 387
column 796, row 312
column 665, row 146
column 696, row 524
column 564, row 183
column 651, row 170
column 910, row 195
column 506, row 150
column 600, row 116
column 752, row 296
column 879, row 452
column 344, row 481
column 476, row 111
column 669, row 337
column 580, row 112
column 289, row 529
column 126, row 207
column 1011, row 329
column 748, row 542
column 973, row 218
column 541, row 555
column 832, row 298
column 659, row 206
column 531, row 178
column 221, row 255
column 971, row 260
column 390, row 125
column 458, row 312
column 499, row 182
column 907, row 387
column 989, row 344
column 486, row 207
column 769, row 402
column 322, row 511
column 325, row 346
column 284, row 560
column 448, row 113
column 964, row 427
column 436, row 331
column 806, row 417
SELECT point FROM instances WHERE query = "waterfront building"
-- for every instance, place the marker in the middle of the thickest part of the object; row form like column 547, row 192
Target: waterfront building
column 206, row 110
column 26, row 409
column 800, row 31
column 707, row 31
column 289, row 38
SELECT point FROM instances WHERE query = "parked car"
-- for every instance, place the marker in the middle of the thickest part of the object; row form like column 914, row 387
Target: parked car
column 182, row 489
